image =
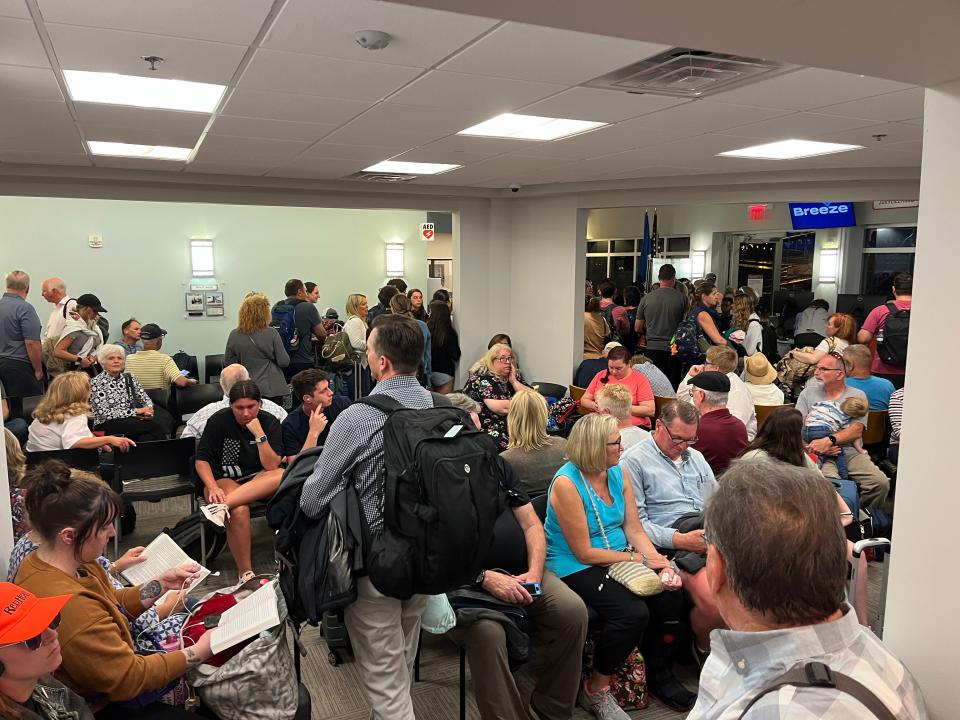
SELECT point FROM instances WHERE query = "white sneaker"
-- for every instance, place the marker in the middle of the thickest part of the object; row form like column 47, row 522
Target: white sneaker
column 602, row 704
column 217, row 513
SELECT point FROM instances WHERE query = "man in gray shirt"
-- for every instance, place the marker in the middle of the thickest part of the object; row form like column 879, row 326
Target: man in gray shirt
column 658, row 314
column 21, row 367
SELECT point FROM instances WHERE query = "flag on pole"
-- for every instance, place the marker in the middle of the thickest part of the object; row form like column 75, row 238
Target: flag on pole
column 655, row 239
column 645, row 252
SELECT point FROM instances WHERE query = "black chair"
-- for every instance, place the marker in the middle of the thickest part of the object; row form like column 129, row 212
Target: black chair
column 192, row 398
column 80, row 459
column 162, row 397
column 27, row 406
column 212, row 367
column 153, row 471
column 548, row 389
column 187, row 362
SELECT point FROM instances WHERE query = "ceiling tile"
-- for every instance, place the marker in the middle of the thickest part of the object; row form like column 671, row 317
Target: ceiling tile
column 43, row 158
column 515, row 168
column 243, row 167
column 230, row 149
column 430, row 153
column 138, row 135
column 279, row 129
column 895, row 133
column 317, row 168
column 38, row 127
column 28, row 83
column 600, row 105
column 177, row 18
column 902, row 105
column 614, row 138
column 292, row 107
column 481, row 145
column 421, row 37
column 439, row 89
column 180, row 124
column 702, row 116
column 14, row 8
column 802, row 125
column 361, row 154
column 137, row 163
column 118, row 51
column 808, row 88
column 328, row 77
column 392, row 123
column 20, row 44
column 529, row 52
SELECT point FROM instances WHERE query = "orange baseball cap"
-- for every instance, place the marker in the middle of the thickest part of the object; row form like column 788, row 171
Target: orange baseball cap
column 23, row 615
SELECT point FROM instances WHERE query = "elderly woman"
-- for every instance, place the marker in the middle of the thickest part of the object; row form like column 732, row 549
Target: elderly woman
column 534, row 455
column 841, row 332
column 258, row 347
column 81, row 337
column 73, row 514
column 29, row 653
column 120, row 404
column 492, row 382
column 60, row 420
column 592, row 523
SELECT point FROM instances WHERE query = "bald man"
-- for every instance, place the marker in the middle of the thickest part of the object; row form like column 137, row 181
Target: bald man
column 54, row 291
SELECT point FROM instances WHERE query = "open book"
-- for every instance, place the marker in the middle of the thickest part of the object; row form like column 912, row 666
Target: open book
column 251, row 616
column 161, row 555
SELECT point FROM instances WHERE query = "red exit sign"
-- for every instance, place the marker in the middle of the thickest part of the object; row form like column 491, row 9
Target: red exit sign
column 759, row 211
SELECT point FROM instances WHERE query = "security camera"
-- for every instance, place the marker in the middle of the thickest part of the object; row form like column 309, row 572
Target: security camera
column 373, row 39
column 514, row 188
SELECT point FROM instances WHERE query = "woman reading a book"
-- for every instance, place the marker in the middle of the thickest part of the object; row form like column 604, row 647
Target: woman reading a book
column 73, row 513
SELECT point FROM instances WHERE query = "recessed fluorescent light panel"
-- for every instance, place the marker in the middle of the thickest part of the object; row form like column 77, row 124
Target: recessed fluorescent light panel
column 150, row 152
column 530, row 127
column 790, row 150
column 114, row 89
column 410, row 168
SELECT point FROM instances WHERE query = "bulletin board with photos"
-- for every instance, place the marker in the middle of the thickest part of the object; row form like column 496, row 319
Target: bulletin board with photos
column 204, row 299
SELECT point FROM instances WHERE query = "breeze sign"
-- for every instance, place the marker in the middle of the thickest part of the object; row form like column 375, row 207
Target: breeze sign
column 810, row 216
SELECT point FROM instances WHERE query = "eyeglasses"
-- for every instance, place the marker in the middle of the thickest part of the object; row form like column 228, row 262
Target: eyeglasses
column 819, row 369
column 34, row 643
column 505, row 359
column 618, row 442
column 677, row 440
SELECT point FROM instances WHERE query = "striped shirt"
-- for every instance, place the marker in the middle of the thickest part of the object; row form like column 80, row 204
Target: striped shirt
column 153, row 369
column 895, row 413
column 741, row 664
column 353, row 452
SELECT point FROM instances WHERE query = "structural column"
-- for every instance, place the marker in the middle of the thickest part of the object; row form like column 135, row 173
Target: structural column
column 922, row 626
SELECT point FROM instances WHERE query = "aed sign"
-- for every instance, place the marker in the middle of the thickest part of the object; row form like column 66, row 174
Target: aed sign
column 810, row 216
column 426, row 231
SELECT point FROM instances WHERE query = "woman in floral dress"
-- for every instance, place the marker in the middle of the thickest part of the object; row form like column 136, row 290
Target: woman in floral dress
column 492, row 382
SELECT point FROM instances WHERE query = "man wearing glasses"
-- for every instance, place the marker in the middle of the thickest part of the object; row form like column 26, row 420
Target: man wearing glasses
column 672, row 482
column 829, row 385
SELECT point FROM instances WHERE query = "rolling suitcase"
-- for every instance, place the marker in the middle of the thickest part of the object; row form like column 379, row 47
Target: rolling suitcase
column 883, row 545
column 335, row 635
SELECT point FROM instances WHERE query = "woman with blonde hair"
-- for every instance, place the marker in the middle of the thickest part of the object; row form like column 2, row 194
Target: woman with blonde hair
column 745, row 327
column 258, row 347
column 493, row 380
column 16, row 467
column 81, row 336
column 356, row 329
column 60, row 420
column 532, row 453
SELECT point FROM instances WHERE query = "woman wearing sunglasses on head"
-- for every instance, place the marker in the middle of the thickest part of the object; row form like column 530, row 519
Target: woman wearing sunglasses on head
column 73, row 513
column 29, row 653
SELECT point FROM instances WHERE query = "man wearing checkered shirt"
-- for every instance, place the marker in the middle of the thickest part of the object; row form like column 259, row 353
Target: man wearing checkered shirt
column 383, row 631
column 776, row 564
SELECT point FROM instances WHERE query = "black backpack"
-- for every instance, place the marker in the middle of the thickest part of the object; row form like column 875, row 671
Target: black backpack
column 317, row 558
column 892, row 338
column 442, row 494
column 607, row 313
column 768, row 344
column 186, row 534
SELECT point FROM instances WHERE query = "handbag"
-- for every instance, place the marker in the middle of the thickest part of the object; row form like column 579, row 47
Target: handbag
column 257, row 682
column 635, row 577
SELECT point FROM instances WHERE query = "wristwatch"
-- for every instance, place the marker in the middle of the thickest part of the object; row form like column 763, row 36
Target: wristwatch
column 261, row 440
column 480, row 578
column 832, row 439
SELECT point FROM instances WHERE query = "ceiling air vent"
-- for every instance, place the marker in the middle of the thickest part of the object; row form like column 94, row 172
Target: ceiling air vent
column 686, row 73
column 381, row 177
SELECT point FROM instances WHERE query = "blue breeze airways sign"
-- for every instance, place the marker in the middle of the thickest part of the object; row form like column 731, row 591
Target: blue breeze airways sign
column 810, row 216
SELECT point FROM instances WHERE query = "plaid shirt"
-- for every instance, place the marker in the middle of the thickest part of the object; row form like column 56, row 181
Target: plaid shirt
column 741, row 664
column 353, row 451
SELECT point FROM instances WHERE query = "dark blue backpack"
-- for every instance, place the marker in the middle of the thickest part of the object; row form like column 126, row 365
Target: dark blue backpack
column 283, row 320
column 689, row 345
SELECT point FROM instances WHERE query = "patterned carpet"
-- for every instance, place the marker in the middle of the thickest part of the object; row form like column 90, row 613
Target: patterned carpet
column 337, row 692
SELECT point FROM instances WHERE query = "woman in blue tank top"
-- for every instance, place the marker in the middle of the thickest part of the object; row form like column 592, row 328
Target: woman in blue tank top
column 592, row 522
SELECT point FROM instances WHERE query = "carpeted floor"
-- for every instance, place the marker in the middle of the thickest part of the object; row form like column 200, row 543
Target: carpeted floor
column 337, row 692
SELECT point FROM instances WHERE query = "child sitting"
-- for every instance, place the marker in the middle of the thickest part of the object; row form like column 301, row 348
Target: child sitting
column 828, row 418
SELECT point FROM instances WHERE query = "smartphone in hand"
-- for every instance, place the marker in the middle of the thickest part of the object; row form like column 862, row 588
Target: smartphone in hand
column 533, row 588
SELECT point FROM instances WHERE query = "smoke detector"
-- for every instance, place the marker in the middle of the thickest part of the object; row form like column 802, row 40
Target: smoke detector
column 373, row 39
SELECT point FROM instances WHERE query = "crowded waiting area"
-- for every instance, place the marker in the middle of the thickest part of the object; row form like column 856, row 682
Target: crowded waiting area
column 412, row 359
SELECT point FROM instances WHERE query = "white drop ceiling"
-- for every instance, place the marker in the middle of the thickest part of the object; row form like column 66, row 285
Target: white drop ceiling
column 305, row 101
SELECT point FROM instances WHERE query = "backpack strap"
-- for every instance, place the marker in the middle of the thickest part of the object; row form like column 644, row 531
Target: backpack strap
column 383, row 403
column 440, row 400
column 815, row 674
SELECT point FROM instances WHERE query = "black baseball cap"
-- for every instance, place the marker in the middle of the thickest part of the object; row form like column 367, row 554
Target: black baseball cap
column 711, row 380
column 151, row 331
column 91, row 301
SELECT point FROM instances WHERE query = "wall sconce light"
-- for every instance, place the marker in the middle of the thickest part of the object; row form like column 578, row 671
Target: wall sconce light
column 698, row 264
column 201, row 258
column 394, row 260
column 829, row 265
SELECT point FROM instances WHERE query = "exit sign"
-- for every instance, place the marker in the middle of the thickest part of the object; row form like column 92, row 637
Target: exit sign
column 759, row 211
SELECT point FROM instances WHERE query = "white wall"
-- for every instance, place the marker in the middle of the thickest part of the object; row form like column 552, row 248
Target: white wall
column 144, row 266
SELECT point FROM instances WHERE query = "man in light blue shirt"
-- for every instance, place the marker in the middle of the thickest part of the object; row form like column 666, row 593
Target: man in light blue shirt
column 877, row 389
column 670, row 480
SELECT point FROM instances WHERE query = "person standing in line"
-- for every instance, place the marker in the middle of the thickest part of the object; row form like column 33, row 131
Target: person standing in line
column 258, row 347
column 875, row 324
column 21, row 364
column 658, row 315
column 54, row 291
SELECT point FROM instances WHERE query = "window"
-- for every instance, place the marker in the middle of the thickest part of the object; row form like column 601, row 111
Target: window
column 619, row 258
column 796, row 262
column 394, row 260
column 201, row 258
column 887, row 251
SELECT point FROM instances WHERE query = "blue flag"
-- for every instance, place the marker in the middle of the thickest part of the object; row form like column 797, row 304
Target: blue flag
column 645, row 252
